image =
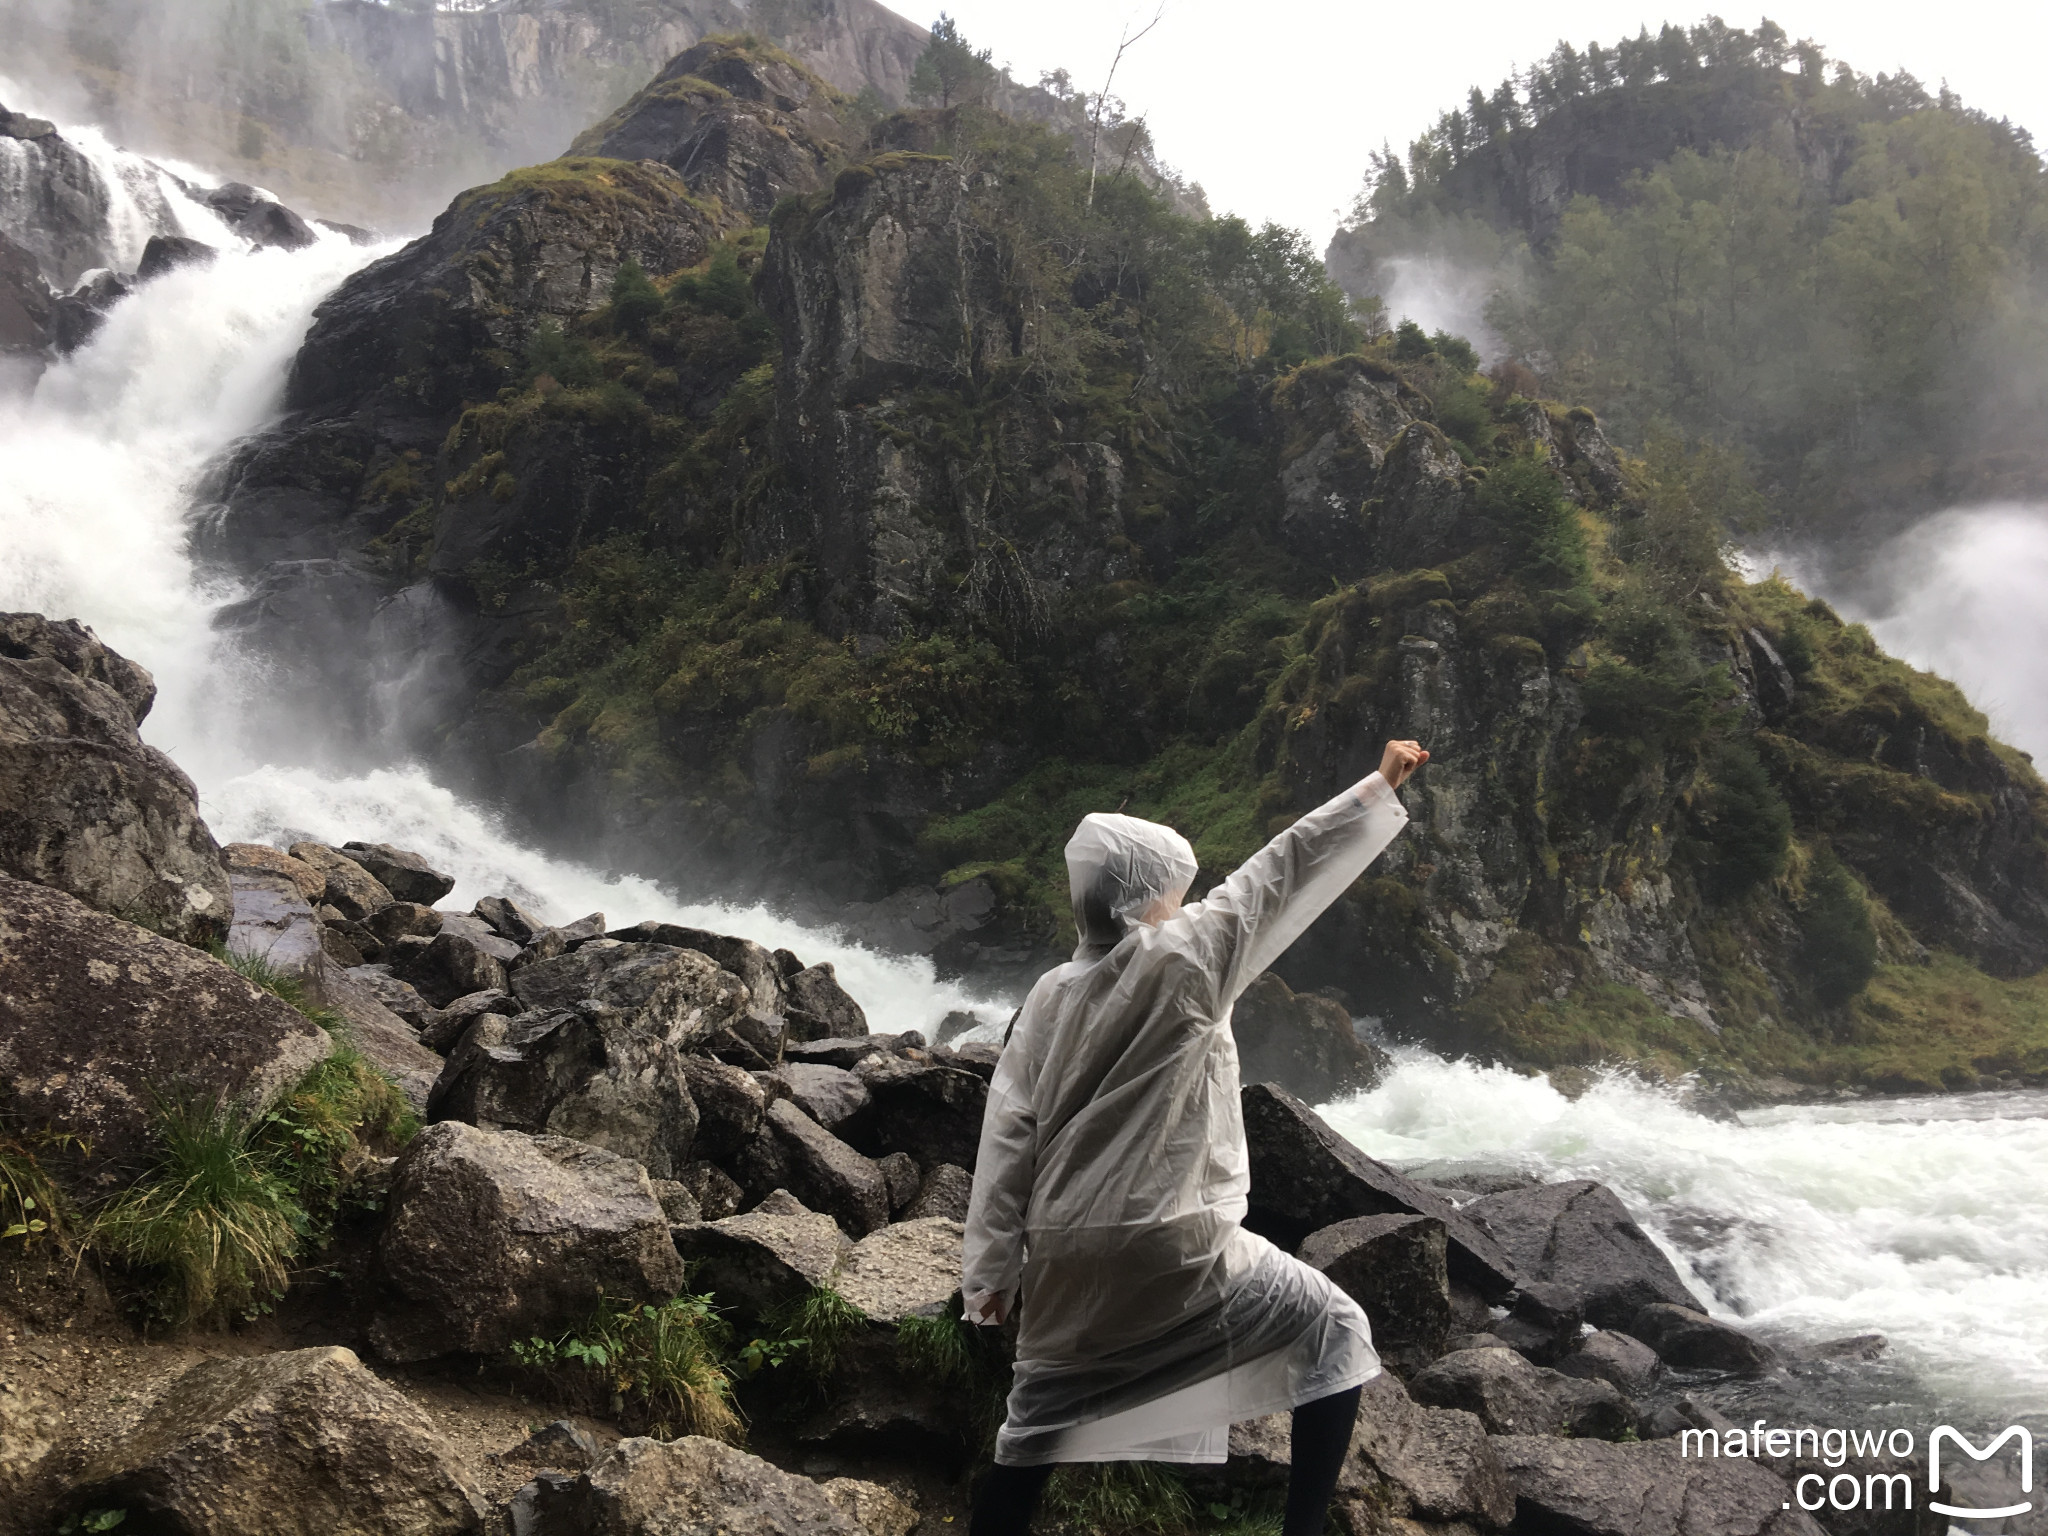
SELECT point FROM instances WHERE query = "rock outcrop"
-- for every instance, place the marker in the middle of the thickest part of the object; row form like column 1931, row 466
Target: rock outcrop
column 301, row 1443
column 1579, row 1235
column 85, row 805
column 678, row 1488
column 97, row 1016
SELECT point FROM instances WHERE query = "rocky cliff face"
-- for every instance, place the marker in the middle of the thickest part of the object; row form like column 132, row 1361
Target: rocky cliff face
column 859, row 580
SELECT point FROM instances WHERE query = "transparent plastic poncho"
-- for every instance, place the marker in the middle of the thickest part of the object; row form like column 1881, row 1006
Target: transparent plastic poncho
column 1112, row 1177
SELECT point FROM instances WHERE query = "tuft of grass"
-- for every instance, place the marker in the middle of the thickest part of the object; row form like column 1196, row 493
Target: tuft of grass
column 934, row 1349
column 663, row 1364
column 1120, row 1498
column 215, row 1221
column 280, row 984
column 815, row 1331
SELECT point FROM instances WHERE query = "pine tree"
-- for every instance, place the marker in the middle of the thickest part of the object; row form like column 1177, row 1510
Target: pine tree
column 950, row 71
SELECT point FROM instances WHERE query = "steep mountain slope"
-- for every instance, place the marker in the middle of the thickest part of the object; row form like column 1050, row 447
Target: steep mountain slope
column 849, row 558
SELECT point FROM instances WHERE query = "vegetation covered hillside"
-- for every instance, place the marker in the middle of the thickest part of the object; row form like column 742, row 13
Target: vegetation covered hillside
column 1842, row 275
column 835, row 513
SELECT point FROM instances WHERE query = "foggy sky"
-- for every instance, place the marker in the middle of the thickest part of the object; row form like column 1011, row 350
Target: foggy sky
column 1273, row 108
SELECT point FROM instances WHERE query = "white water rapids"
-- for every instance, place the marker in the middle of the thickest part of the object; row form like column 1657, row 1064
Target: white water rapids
column 1924, row 1219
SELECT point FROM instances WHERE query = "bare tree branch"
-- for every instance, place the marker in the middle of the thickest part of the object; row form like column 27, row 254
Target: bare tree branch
column 1102, row 96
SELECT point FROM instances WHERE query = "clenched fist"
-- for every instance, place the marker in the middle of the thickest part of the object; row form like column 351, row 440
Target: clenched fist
column 1400, row 760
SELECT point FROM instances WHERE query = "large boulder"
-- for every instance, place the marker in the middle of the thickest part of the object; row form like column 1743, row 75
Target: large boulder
column 1512, row 1397
column 818, row 1008
column 1603, row 1355
column 450, row 965
column 96, row 1015
column 1304, row 1043
column 1578, row 1234
column 763, row 1258
column 1434, row 1464
column 687, row 1487
column 85, row 805
column 576, row 1072
column 1592, row 1488
column 1689, row 1340
column 494, row 1236
column 302, row 1443
column 929, row 1111
column 406, row 875
column 832, row 1096
column 350, row 889
column 730, row 1103
column 1394, row 1268
column 792, row 1151
column 946, row 1190
column 910, row 1269
column 1305, row 1176
column 678, row 994
column 755, row 964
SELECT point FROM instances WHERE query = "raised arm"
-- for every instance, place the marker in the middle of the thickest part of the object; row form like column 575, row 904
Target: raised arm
column 993, row 1259
column 1247, row 922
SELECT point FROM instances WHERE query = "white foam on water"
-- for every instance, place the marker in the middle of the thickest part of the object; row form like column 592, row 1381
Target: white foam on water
column 1924, row 1219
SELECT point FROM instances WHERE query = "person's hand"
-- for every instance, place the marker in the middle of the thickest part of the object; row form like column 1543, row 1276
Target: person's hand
column 1400, row 760
column 991, row 1309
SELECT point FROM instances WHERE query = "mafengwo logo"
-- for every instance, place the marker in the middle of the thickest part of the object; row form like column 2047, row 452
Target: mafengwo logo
column 1943, row 1432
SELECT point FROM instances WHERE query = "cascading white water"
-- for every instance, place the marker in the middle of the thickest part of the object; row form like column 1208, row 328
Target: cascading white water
column 1925, row 1219
column 1909, row 1218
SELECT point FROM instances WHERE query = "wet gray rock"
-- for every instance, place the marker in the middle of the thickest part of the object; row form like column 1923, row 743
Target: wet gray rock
column 305, row 1442
column 910, row 1269
column 1305, row 1177
column 715, row 1191
column 1578, row 1234
column 404, row 920
column 1591, row 1488
column 443, row 1028
column 833, row 1097
column 494, row 1236
column 97, row 1014
column 1430, row 1463
column 449, row 966
column 1304, row 1043
column 1689, row 1340
column 261, row 858
column 762, row 1258
column 579, row 1073
column 900, row 1173
column 946, row 1191
column 676, row 1202
column 686, row 1487
column 167, row 253
column 560, row 1444
column 753, row 963
column 351, row 889
column 677, row 994
column 1544, row 1321
column 406, row 875
column 1631, row 1365
column 729, row 1102
column 929, row 1111
column 508, row 919
column 792, row 1151
column 85, row 805
column 818, row 1008
column 843, row 1053
column 1394, row 1268
column 1513, row 1397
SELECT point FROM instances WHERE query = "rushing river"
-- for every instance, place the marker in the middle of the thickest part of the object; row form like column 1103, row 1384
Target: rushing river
column 1924, row 1219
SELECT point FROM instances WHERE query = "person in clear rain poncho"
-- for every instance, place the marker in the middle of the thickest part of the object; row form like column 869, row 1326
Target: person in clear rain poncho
column 1112, row 1176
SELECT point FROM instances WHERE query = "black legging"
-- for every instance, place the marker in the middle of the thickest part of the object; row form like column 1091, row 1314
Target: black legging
column 1321, row 1436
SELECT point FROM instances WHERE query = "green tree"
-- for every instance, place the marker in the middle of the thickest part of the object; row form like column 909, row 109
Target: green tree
column 1839, row 952
column 950, row 71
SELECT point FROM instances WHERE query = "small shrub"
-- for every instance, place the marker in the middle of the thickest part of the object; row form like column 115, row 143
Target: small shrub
column 213, row 1221
column 635, row 301
column 1744, row 824
column 1839, row 952
column 32, row 1207
column 1545, row 544
column 321, row 1135
column 664, row 1365
column 553, row 353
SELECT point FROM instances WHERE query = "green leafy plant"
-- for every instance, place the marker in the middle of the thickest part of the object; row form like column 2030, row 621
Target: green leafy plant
column 663, row 1364
column 812, row 1333
column 92, row 1520
column 32, row 1207
column 212, row 1219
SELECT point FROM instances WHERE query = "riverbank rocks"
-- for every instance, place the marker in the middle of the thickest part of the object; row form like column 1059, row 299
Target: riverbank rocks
column 1305, row 1177
column 1689, row 1340
column 687, row 1487
column 929, row 1111
column 832, row 1096
column 1629, row 1364
column 677, row 994
column 772, row 1254
column 1591, row 1488
column 349, row 888
column 1578, row 1234
column 301, row 1443
column 1394, row 1268
column 493, row 1236
column 792, row 1151
column 1409, row 1459
column 1512, row 1397
column 85, row 805
column 729, row 1102
column 407, row 876
column 1304, row 1043
column 911, row 1269
column 577, row 1072
column 818, row 1008
column 945, row 1191
column 97, row 1014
